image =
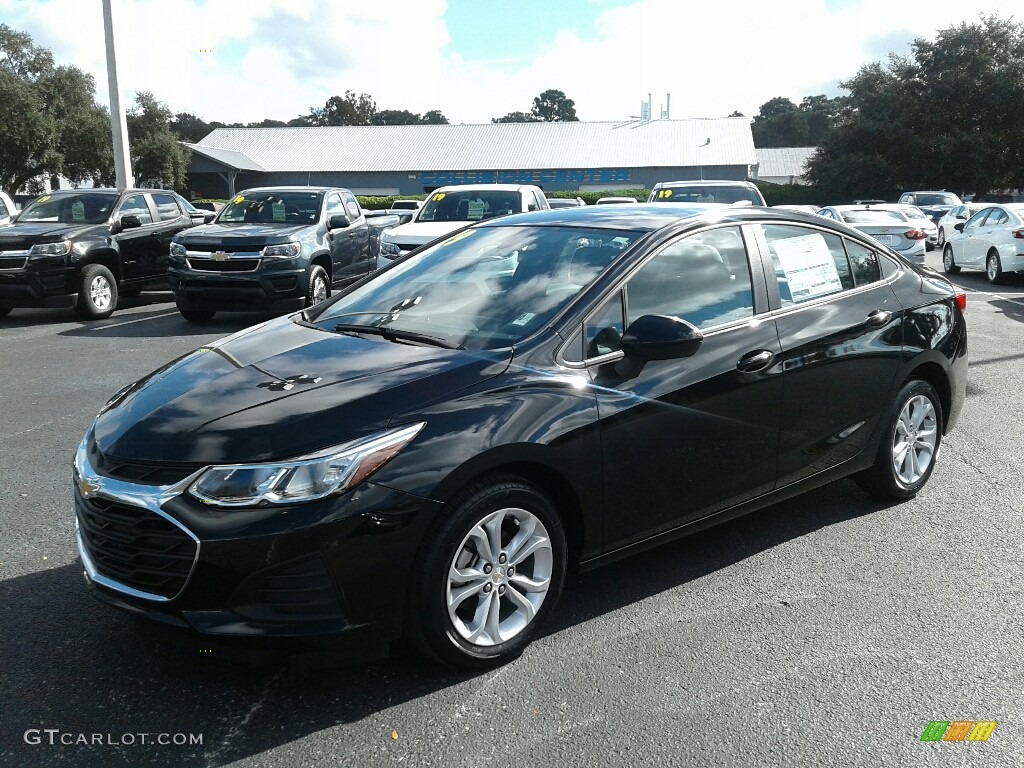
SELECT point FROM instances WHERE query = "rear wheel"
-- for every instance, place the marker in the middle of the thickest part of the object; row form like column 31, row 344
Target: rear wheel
column 489, row 573
column 197, row 315
column 993, row 268
column 948, row 265
column 97, row 293
column 906, row 455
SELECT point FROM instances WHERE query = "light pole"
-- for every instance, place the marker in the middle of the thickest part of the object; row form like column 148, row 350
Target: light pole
column 118, row 122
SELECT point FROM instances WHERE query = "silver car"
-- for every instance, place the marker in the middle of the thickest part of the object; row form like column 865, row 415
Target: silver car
column 887, row 225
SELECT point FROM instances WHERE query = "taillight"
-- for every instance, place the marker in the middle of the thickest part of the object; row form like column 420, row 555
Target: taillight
column 961, row 300
column 915, row 234
column 1019, row 233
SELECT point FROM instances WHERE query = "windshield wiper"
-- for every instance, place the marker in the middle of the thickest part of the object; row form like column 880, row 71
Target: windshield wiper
column 394, row 334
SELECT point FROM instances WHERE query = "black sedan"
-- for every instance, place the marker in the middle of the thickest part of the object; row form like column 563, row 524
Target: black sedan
column 430, row 451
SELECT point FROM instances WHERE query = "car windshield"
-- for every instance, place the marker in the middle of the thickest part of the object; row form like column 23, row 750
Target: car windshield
column 934, row 198
column 269, row 206
column 913, row 212
column 705, row 194
column 482, row 288
column 872, row 216
column 70, row 208
column 469, row 205
column 405, row 205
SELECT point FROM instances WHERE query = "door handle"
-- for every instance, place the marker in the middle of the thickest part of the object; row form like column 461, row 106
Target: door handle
column 352, row 234
column 879, row 317
column 755, row 361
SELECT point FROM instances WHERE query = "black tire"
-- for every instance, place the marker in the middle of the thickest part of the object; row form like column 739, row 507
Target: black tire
column 942, row 237
column 197, row 315
column 948, row 264
column 5, row 311
column 430, row 626
column 318, row 282
column 994, row 271
column 881, row 479
column 97, row 293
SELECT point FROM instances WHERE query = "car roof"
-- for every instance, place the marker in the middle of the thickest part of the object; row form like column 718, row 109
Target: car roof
column 707, row 183
column 484, row 187
column 291, row 188
column 643, row 217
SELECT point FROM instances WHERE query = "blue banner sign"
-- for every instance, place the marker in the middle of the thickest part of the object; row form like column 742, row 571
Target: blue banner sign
column 561, row 176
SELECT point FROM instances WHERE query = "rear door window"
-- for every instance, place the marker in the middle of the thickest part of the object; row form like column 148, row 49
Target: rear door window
column 864, row 262
column 166, row 207
column 808, row 263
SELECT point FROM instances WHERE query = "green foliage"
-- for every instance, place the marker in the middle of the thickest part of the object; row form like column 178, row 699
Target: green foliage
column 51, row 122
column 554, row 106
column 158, row 159
column 781, row 123
column 349, row 109
column 948, row 116
column 790, row 194
column 405, row 117
column 515, row 117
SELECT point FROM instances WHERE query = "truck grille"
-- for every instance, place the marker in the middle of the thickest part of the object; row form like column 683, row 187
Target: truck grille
column 228, row 265
column 135, row 547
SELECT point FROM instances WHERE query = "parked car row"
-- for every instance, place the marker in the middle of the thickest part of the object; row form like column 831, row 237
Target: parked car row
column 992, row 239
column 430, row 453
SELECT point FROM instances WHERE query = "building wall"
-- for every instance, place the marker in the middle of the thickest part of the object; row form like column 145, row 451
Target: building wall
column 418, row 182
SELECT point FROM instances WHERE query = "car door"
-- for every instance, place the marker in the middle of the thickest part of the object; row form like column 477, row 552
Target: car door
column 139, row 246
column 992, row 232
column 839, row 324
column 973, row 247
column 350, row 247
column 171, row 219
column 686, row 437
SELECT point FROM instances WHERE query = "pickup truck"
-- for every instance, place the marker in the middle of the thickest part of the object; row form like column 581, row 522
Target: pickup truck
column 450, row 208
column 93, row 244
column 7, row 209
column 274, row 249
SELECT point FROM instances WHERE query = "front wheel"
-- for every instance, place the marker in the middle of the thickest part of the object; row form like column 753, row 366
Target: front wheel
column 489, row 573
column 906, row 456
column 319, row 286
column 994, row 269
column 942, row 237
column 948, row 265
column 97, row 293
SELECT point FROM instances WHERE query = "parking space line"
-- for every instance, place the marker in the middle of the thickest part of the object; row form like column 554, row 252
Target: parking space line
column 129, row 322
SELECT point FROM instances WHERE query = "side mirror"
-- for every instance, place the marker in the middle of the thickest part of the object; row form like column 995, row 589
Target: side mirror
column 338, row 221
column 208, row 217
column 126, row 222
column 959, row 226
column 405, row 218
column 660, row 337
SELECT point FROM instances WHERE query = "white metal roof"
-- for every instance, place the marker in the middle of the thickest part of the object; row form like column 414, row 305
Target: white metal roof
column 783, row 161
column 228, row 157
column 492, row 146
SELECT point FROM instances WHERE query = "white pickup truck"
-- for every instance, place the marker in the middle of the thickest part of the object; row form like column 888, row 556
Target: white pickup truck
column 7, row 209
column 450, row 208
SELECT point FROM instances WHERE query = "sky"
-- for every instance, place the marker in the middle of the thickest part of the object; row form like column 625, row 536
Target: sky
column 246, row 60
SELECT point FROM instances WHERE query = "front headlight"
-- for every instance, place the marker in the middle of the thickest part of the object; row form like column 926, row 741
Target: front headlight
column 388, row 248
column 50, row 249
column 285, row 251
column 177, row 249
column 333, row 470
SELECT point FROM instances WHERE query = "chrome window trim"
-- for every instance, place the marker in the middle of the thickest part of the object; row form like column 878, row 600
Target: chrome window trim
column 148, row 497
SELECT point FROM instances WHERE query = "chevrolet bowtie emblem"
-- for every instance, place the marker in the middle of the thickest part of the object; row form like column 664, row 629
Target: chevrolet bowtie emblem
column 289, row 382
column 219, row 256
column 87, row 487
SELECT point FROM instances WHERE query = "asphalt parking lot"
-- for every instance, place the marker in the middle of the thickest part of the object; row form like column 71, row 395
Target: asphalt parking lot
column 828, row 630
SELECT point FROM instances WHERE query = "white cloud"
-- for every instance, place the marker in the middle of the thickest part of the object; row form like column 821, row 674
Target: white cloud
column 277, row 58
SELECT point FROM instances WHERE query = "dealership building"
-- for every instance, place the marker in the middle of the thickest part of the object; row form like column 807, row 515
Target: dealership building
column 414, row 159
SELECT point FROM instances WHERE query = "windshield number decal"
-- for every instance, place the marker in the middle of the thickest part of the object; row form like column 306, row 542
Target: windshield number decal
column 439, row 196
column 239, row 199
column 665, row 193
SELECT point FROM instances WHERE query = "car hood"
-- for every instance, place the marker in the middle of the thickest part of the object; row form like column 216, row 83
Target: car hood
column 45, row 231
column 279, row 390
column 235, row 235
column 423, row 232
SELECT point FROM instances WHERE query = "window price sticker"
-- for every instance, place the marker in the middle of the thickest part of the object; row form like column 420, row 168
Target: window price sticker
column 809, row 266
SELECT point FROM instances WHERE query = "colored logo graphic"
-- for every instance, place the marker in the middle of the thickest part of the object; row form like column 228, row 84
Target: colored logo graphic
column 958, row 730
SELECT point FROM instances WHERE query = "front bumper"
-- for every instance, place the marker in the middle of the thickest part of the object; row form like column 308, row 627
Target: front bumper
column 279, row 290
column 323, row 570
column 36, row 282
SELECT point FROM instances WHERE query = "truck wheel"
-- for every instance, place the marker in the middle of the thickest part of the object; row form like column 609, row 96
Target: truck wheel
column 319, row 287
column 197, row 315
column 97, row 293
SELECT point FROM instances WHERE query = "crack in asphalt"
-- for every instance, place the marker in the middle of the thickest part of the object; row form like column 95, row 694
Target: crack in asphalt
column 212, row 758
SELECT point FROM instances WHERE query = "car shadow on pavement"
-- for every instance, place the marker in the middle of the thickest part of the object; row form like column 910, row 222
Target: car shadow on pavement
column 1014, row 310
column 27, row 317
column 164, row 322
column 73, row 664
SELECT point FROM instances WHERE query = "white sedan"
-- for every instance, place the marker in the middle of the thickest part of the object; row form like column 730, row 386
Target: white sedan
column 992, row 239
column 887, row 225
column 955, row 215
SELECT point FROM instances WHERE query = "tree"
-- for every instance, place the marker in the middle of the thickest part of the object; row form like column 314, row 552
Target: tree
column 737, row 113
column 948, row 116
column 396, row 117
column 516, row 117
column 349, row 109
column 190, row 128
column 553, row 106
column 434, row 117
column 51, row 122
column 781, row 123
column 158, row 158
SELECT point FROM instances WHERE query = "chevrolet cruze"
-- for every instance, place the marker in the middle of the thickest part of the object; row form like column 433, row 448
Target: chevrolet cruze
column 429, row 452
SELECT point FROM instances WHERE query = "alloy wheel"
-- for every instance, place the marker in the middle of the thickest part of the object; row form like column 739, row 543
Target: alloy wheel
column 499, row 577
column 914, row 439
column 319, row 290
column 99, row 292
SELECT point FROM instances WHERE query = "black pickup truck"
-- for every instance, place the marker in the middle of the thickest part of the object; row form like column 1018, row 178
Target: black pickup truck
column 274, row 249
column 96, row 244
